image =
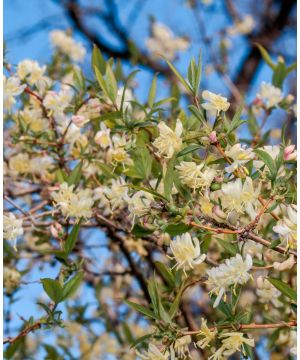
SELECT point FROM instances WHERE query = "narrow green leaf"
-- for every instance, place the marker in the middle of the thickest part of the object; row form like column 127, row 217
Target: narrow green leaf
column 177, row 229
column 152, row 92
column 102, row 82
column 230, row 248
column 98, row 60
column 180, row 78
column 140, row 340
column 72, row 285
column 189, row 149
column 265, row 55
column 53, row 289
column 75, row 175
column 72, row 238
column 111, row 82
column 168, row 178
column 267, row 159
column 140, row 231
column 175, row 304
column 142, row 162
column 141, row 309
column 165, row 272
column 284, row 288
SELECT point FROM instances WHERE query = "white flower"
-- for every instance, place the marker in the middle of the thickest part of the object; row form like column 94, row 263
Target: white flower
column 40, row 165
column 208, row 334
column 73, row 203
column 168, row 142
column 19, row 163
column 57, row 102
column 233, row 341
column 12, row 227
column 102, row 137
column 30, row 71
column 233, row 272
column 180, row 349
column 11, row 279
column 140, row 203
column 270, row 94
column 194, row 176
column 267, row 293
column 67, row 45
column 186, row 252
column 243, row 27
column 91, row 109
column 285, row 265
column 215, row 103
column 237, row 196
column 33, row 117
column 163, row 42
column 117, row 193
column 240, row 155
column 252, row 248
column 104, row 203
column 153, row 353
column 117, row 152
column 11, row 89
column 287, row 227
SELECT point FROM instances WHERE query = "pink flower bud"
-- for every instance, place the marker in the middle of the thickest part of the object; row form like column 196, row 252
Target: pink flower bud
column 55, row 229
column 219, row 212
column 258, row 102
column 213, row 137
column 290, row 153
column 79, row 120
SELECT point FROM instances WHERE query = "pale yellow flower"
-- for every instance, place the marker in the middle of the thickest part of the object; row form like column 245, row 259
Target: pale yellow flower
column 169, row 141
column 215, row 103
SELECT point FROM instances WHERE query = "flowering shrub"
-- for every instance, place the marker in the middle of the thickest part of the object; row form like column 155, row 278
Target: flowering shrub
column 172, row 187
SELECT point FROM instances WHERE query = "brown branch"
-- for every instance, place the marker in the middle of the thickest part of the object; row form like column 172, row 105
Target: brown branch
column 23, row 333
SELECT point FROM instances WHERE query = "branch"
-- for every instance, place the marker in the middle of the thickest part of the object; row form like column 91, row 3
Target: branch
column 23, row 333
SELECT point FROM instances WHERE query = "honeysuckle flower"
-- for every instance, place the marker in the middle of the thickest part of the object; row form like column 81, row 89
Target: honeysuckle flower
column 208, row 334
column 30, row 71
column 73, row 203
column 180, row 349
column 285, row 265
column 217, row 355
column 168, row 142
column 11, row 279
column 238, row 196
column 287, row 227
column 153, row 353
column 117, row 152
column 57, row 102
column 117, row 193
column 67, row 45
column 163, row 42
column 270, row 95
column 240, row 155
column 233, row 272
column 103, row 202
column 140, row 203
column 102, row 137
column 186, row 252
column 19, row 164
column 11, row 88
column 12, row 227
column 79, row 120
column 233, row 341
column 267, row 293
column 34, row 118
column 215, row 103
column 252, row 248
column 91, row 109
column 194, row 176
column 242, row 27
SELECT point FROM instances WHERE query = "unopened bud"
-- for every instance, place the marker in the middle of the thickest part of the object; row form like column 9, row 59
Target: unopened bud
column 289, row 99
column 55, row 229
column 219, row 212
column 285, row 265
column 290, row 153
column 79, row 120
column 213, row 137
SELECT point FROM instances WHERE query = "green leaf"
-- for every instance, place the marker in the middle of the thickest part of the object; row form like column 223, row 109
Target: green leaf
column 236, row 122
column 177, row 229
column 266, row 56
column 284, row 288
column 274, row 243
column 141, row 309
column 75, row 175
column 165, row 272
column 189, row 149
column 198, row 74
column 169, row 178
column 102, row 82
column 142, row 162
column 175, row 304
column 140, row 231
column 197, row 113
column 153, row 293
column 152, row 92
column 230, row 248
column 248, row 351
column 72, row 238
column 72, row 285
column 180, row 78
column 98, row 61
column 111, row 82
column 267, row 159
column 61, row 176
column 53, row 289
column 279, row 75
column 140, row 340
